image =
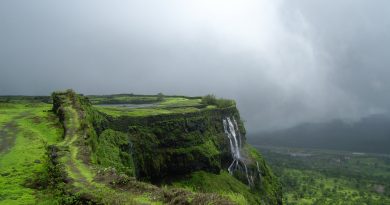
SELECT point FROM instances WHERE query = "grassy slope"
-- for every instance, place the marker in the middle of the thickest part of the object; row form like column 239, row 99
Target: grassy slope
column 35, row 128
column 226, row 185
column 223, row 184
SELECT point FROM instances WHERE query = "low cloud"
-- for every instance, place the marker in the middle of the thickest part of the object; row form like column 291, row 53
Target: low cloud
column 285, row 62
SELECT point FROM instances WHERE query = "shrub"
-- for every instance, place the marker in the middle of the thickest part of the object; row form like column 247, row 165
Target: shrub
column 160, row 97
column 209, row 100
column 220, row 103
column 224, row 103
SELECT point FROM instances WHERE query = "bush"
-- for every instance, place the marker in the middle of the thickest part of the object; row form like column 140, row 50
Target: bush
column 220, row 103
column 160, row 97
column 224, row 103
column 209, row 100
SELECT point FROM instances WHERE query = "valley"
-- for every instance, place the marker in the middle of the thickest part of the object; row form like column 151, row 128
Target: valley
column 318, row 176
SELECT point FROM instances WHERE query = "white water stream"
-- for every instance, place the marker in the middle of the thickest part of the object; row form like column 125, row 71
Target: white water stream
column 233, row 133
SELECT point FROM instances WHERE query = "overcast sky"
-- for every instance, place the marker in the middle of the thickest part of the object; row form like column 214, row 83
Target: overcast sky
column 284, row 62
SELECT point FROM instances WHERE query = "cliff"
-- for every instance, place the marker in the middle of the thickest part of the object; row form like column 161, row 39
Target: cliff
column 201, row 150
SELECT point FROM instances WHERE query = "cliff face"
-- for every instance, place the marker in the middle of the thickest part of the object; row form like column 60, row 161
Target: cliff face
column 169, row 145
column 163, row 148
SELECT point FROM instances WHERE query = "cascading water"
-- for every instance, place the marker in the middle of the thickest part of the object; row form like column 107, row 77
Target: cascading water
column 233, row 133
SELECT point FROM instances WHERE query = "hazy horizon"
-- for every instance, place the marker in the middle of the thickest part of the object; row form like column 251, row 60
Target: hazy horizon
column 284, row 62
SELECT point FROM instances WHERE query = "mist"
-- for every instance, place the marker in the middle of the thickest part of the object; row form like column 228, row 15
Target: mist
column 284, row 62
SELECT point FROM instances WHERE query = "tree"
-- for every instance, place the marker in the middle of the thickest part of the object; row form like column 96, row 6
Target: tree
column 160, row 97
column 209, row 99
column 220, row 103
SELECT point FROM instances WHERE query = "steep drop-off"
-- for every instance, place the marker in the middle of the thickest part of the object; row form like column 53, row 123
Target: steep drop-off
column 204, row 153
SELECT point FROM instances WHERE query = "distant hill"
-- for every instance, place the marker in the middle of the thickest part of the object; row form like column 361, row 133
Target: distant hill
column 370, row 134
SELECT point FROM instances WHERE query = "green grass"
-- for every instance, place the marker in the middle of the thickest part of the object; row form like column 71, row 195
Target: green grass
column 118, row 111
column 166, row 105
column 122, row 99
column 145, row 99
column 223, row 184
column 145, row 199
column 180, row 102
column 169, row 105
column 138, row 112
column 35, row 128
column 75, row 167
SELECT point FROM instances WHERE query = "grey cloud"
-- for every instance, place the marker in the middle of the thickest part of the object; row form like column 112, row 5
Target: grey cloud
column 285, row 62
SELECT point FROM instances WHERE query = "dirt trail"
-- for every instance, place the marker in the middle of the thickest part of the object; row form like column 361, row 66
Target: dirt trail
column 9, row 131
column 72, row 134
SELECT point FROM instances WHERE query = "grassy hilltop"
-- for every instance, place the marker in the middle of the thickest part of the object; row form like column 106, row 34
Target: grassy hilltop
column 124, row 149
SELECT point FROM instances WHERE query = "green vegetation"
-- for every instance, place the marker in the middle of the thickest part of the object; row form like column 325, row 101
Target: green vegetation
column 112, row 150
column 120, row 111
column 131, row 156
column 71, row 157
column 74, row 152
column 330, row 177
column 270, row 185
column 223, row 184
column 31, row 127
column 160, row 97
column 165, row 105
column 220, row 103
column 146, row 105
column 177, row 102
column 124, row 99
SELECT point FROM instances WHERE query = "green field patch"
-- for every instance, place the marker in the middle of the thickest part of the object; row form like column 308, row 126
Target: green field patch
column 25, row 158
column 138, row 106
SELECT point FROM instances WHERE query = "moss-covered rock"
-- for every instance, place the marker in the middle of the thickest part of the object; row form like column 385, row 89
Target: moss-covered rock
column 114, row 149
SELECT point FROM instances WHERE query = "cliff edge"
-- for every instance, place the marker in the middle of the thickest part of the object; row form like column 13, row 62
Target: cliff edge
column 164, row 145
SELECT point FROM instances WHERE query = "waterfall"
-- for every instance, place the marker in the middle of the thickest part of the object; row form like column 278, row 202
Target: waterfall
column 233, row 133
column 230, row 131
column 258, row 169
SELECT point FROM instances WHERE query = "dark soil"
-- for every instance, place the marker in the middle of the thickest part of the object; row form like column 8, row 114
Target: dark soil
column 8, row 133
